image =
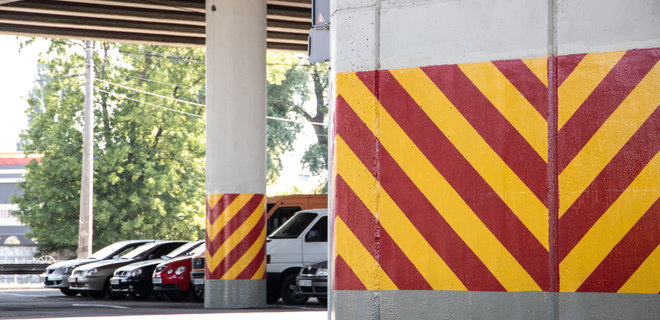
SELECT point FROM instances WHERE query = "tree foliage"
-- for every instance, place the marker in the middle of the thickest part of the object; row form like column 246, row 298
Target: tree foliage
column 149, row 161
column 149, row 151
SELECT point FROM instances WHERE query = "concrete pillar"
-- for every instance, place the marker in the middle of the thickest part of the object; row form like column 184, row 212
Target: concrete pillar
column 235, row 153
column 495, row 159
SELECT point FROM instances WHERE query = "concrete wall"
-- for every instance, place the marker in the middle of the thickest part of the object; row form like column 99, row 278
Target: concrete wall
column 496, row 159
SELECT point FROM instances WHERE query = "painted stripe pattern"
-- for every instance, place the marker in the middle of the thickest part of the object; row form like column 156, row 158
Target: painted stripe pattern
column 441, row 178
column 447, row 166
column 609, row 172
column 235, row 236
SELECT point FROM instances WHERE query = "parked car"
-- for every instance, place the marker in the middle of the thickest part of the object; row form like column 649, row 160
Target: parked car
column 94, row 278
column 312, row 282
column 172, row 277
column 278, row 210
column 57, row 274
column 135, row 279
column 300, row 241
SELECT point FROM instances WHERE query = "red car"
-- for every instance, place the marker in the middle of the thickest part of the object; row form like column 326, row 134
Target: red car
column 172, row 277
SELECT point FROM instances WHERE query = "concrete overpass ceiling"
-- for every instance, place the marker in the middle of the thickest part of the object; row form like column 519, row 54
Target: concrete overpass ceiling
column 169, row 22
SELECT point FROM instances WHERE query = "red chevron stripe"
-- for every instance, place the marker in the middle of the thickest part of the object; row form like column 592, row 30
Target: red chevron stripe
column 345, row 278
column 627, row 255
column 237, row 252
column 451, row 248
column 609, row 184
column 566, row 65
column 607, row 96
column 486, row 204
column 225, row 200
column 527, row 83
column 377, row 241
column 233, row 224
column 254, row 265
column 500, row 135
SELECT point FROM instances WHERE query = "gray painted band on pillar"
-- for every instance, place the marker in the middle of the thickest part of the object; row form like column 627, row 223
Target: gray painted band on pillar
column 421, row 304
column 235, row 294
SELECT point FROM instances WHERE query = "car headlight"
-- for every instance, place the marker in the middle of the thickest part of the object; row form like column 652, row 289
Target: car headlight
column 170, row 270
column 180, row 270
column 136, row 272
column 63, row 270
column 322, row 272
column 91, row 272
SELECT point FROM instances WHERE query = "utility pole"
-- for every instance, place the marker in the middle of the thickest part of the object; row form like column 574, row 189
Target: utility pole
column 87, row 183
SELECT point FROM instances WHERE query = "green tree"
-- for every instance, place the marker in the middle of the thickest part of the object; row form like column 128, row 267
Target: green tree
column 149, row 151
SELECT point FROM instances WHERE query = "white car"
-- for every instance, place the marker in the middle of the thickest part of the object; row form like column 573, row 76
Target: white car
column 300, row 241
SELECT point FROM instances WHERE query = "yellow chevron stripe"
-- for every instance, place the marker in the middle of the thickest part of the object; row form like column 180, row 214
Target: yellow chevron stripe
column 582, row 81
column 609, row 139
column 261, row 271
column 235, row 238
column 229, row 212
column 510, row 103
column 212, row 199
column 508, row 186
column 645, row 279
column 435, row 188
column 611, row 227
column 427, row 261
column 538, row 66
column 363, row 264
column 246, row 258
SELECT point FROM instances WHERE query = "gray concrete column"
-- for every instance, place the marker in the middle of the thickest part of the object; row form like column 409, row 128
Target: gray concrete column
column 235, row 153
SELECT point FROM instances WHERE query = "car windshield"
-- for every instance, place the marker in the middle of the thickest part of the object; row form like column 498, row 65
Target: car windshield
column 140, row 250
column 292, row 228
column 199, row 250
column 107, row 251
column 182, row 249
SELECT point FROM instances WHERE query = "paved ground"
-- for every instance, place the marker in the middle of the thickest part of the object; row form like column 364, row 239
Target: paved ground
column 48, row 303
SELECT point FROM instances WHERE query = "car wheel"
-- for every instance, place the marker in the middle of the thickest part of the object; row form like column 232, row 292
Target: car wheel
column 177, row 296
column 140, row 295
column 197, row 293
column 159, row 296
column 289, row 291
column 96, row 294
column 68, row 292
column 112, row 295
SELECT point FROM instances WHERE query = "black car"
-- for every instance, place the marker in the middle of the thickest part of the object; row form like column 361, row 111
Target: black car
column 312, row 282
column 135, row 279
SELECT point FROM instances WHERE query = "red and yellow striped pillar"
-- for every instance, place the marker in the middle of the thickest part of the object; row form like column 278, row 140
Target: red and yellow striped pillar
column 235, row 236
column 235, row 154
column 441, row 183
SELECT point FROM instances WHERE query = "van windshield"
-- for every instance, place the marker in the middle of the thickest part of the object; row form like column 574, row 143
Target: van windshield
column 293, row 227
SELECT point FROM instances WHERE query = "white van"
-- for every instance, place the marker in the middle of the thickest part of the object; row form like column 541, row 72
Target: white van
column 302, row 240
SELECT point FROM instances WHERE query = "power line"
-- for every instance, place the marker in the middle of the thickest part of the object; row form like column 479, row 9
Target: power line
column 149, row 93
column 161, row 82
column 150, row 104
column 202, row 105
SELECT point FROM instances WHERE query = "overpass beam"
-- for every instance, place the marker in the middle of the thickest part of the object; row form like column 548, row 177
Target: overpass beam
column 235, row 153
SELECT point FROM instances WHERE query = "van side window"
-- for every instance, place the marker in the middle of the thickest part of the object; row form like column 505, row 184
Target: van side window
column 280, row 215
column 319, row 232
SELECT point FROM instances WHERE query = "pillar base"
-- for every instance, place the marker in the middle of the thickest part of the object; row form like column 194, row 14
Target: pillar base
column 423, row 304
column 234, row 294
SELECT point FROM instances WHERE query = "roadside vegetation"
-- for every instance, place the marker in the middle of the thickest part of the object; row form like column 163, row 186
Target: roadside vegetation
column 149, row 146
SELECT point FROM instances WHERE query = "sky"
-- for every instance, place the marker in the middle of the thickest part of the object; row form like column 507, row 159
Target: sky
column 18, row 72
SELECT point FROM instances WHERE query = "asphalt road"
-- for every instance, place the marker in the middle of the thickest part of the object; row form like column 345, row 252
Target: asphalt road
column 48, row 303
